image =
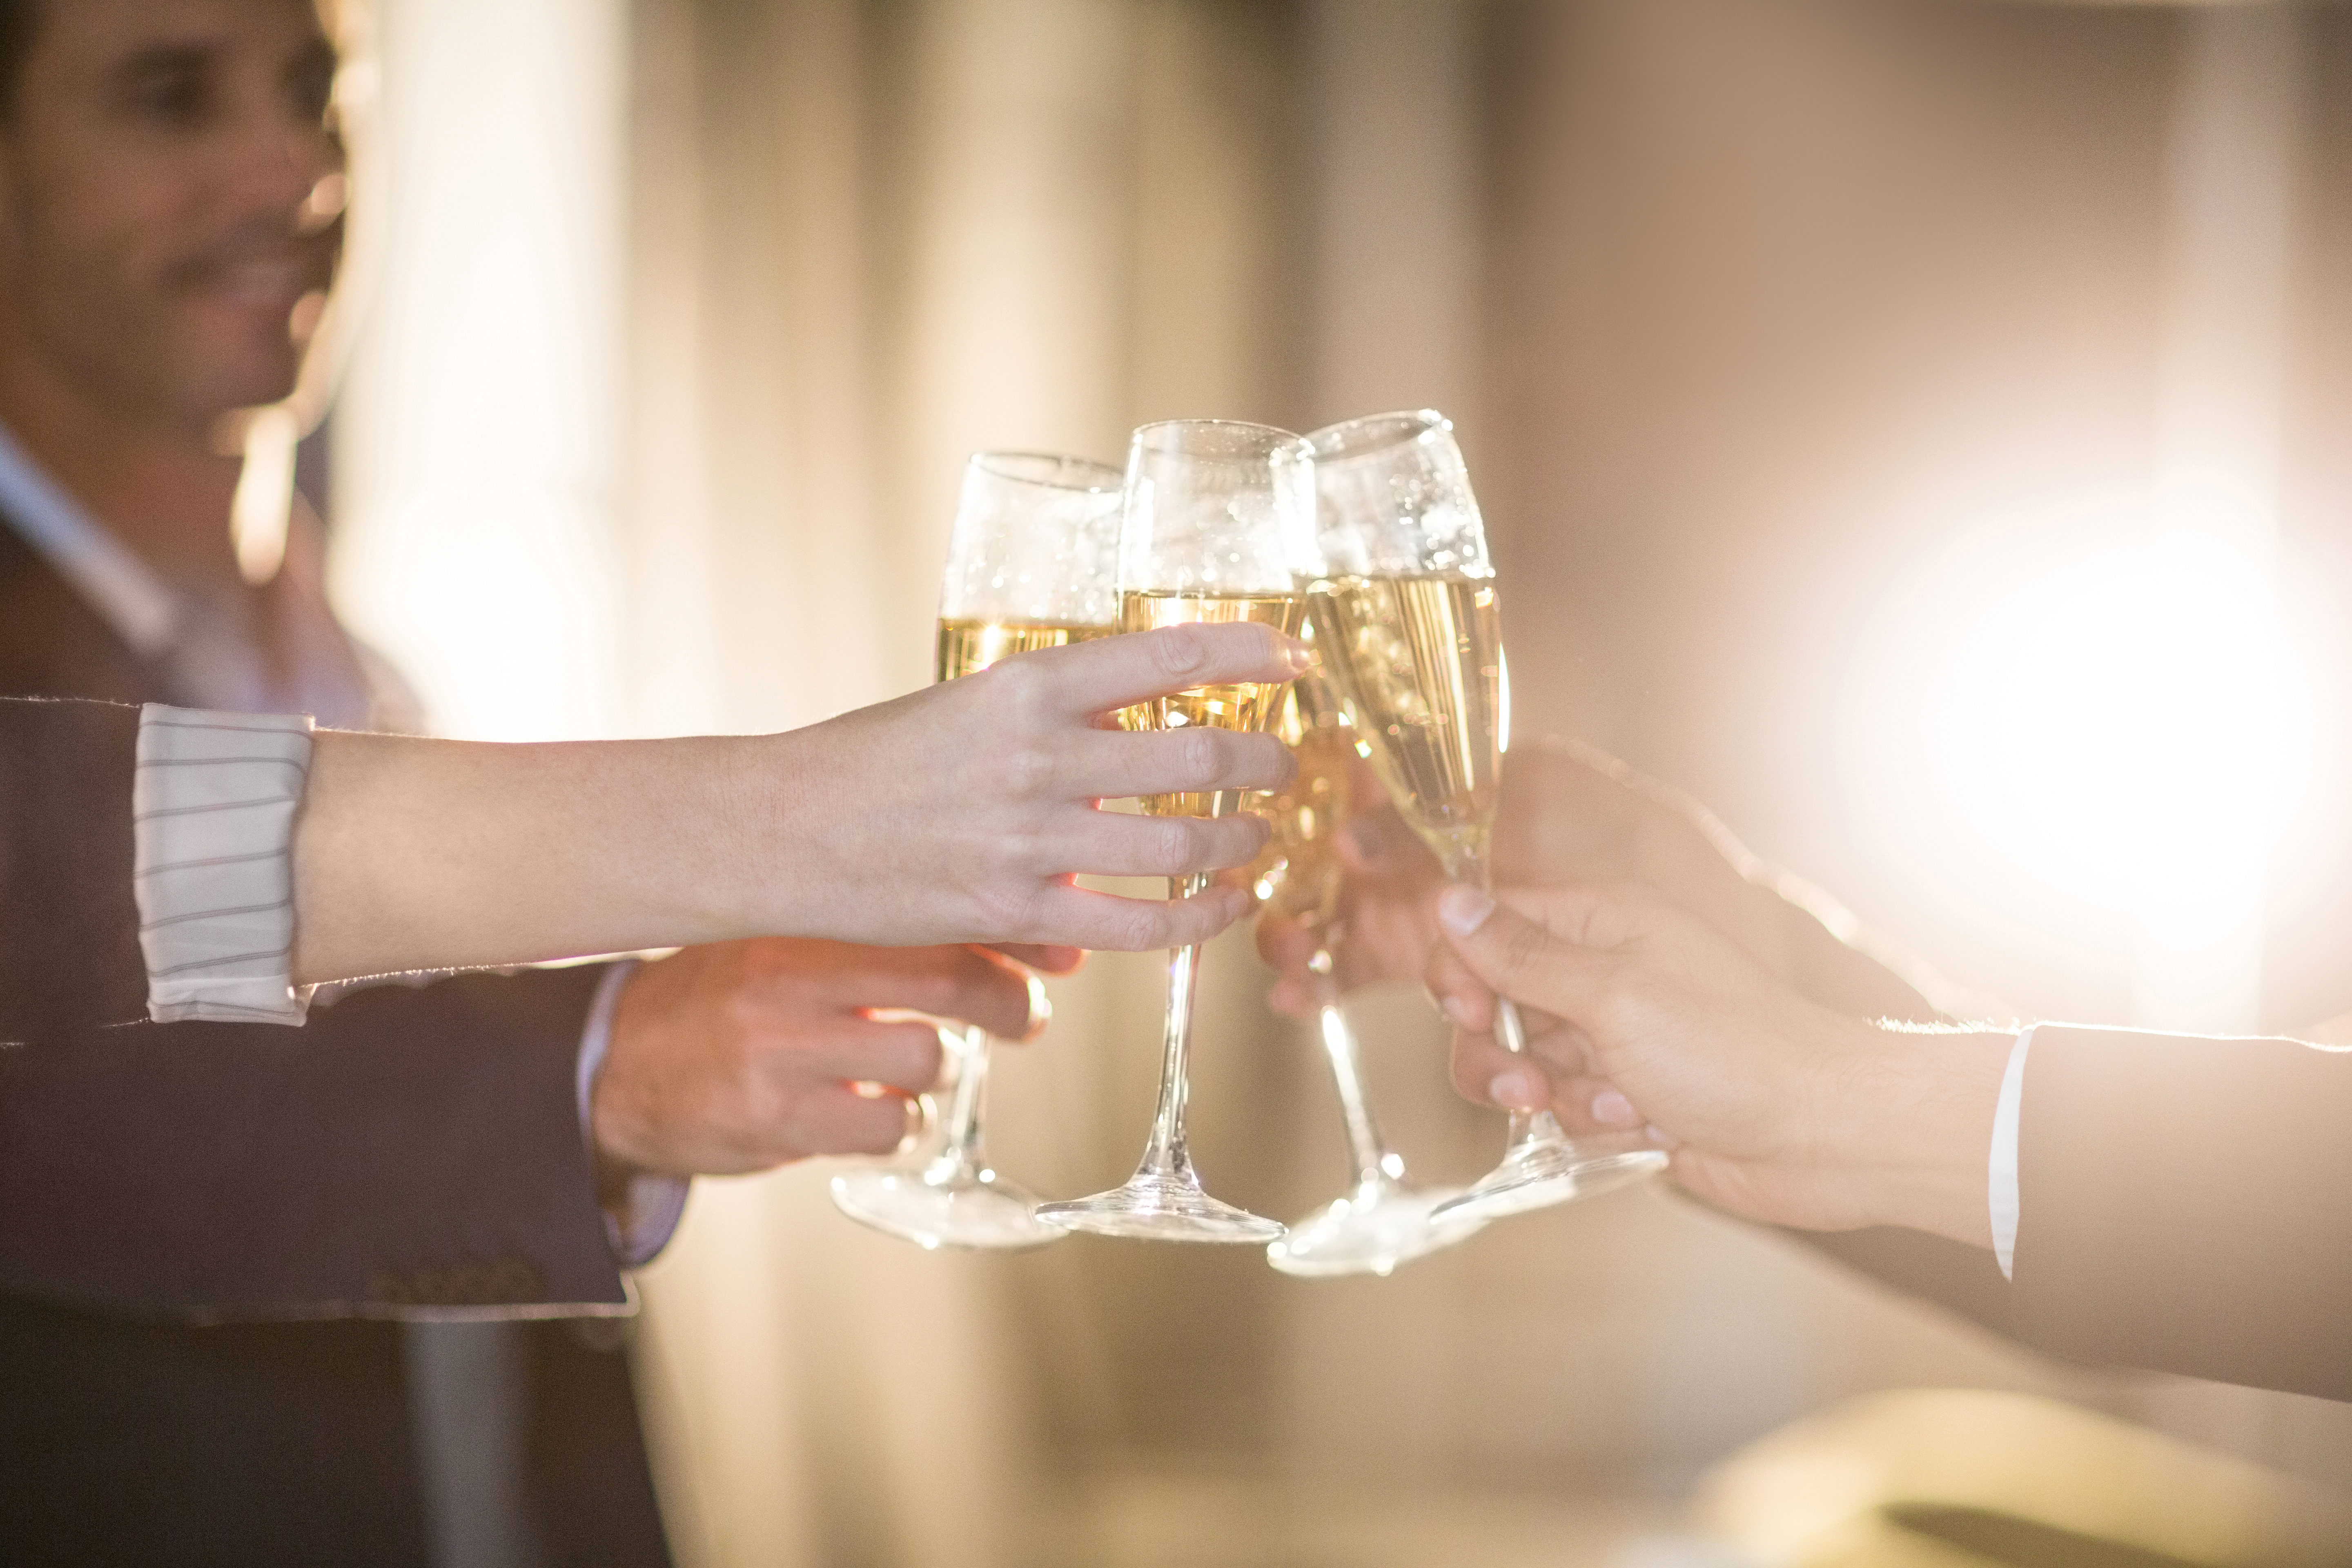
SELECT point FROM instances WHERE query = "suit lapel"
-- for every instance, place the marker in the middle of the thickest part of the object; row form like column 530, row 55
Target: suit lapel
column 52, row 644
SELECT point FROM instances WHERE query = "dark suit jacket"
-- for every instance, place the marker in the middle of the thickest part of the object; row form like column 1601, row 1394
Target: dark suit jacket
column 407, row 1147
column 2186, row 1204
column 69, row 928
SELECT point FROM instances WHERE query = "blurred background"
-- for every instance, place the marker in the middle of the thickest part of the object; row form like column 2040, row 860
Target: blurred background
column 1917, row 430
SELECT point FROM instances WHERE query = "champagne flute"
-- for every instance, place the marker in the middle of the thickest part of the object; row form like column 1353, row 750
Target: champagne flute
column 1382, row 1221
column 1410, row 628
column 1032, row 561
column 1219, row 525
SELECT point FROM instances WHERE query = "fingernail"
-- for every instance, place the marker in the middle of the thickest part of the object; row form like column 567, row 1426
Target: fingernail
column 1462, row 909
column 1300, row 658
column 1455, row 1013
column 1611, row 1109
column 1660, row 1136
column 1512, row 1091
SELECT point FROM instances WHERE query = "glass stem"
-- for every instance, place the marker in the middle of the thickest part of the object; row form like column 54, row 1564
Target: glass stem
column 1355, row 1108
column 961, row 1134
column 1166, row 1154
column 1527, row 1127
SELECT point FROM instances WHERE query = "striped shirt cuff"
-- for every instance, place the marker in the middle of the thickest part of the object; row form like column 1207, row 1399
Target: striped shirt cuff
column 213, row 808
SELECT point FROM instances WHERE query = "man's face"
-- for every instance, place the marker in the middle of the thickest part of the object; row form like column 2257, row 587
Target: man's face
column 166, row 206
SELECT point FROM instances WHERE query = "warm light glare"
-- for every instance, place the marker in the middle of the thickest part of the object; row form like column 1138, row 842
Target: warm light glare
column 476, row 453
column 265, row 494
column 2094, row 701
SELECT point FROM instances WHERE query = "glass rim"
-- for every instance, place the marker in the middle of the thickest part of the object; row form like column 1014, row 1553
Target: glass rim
column 1050, row 471
column 1274, row 442
column 1371, row 435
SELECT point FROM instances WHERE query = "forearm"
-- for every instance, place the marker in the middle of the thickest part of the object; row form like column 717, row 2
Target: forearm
column 444, row 854
column 1834, row 1124
column 1915, row 1136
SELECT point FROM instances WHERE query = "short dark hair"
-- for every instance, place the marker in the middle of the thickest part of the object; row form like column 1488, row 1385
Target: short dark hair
column 20, row 23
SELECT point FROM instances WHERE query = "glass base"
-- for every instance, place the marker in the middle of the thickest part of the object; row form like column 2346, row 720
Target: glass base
column 1545, row 1171
column 947, row 1204
column 1372, row 1230
column 1156, row 1207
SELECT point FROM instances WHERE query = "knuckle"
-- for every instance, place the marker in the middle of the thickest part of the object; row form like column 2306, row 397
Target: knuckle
column 911, row 1056
column 1025, row 771
column 1022, row 685
column 1175, row 842
column 1201, row 757
column 1617, row 1011
column 1180, row 650
column 926, row 990
column 743, row 1013
column 851, row 1124
column 1006, row 909
column 1143, row 926
column 1523, row 947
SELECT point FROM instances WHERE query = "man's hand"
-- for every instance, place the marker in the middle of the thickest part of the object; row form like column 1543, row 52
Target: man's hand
column 1569, row 814
column 738, row 1056
column 1642, row 1015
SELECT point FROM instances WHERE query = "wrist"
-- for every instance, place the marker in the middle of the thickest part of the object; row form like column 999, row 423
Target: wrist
column 1914, row 1128
column 619, row 1145
column 779, row 870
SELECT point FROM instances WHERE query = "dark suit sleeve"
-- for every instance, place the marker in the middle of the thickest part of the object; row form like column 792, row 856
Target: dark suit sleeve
column 411, row 1148
column 68, row 926
column 2186, row 1205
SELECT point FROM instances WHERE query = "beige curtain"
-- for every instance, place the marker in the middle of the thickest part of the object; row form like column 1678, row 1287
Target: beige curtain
column 868, row 240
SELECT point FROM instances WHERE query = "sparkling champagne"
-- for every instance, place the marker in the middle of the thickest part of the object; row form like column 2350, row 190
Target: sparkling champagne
column 1240, row 705
column 967, row 647
column 1419, row 662
column 1297, row 872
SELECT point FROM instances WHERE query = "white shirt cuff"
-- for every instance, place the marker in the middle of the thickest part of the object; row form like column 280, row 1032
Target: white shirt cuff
column 212, row 808
column 2000, row 1184
column 654, row 1203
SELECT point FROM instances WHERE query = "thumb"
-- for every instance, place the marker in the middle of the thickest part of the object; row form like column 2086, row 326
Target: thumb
column 1553, row 954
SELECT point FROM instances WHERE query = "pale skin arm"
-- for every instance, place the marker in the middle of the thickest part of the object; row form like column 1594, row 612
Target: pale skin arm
column 960, row 812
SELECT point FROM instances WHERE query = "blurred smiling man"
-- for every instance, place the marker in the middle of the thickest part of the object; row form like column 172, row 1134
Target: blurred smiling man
column 160, row 231
column 170, row 198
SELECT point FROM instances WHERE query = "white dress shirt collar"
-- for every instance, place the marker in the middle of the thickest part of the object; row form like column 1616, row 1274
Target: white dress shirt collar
column 143, row 610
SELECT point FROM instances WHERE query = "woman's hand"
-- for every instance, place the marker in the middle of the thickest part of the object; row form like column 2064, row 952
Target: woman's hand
column 957, row 814
column 1644, row 1020
column 960, row 813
